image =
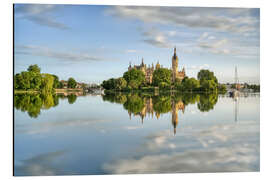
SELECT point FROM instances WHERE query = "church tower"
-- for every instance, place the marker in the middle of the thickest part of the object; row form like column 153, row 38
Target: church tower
column 174, row 65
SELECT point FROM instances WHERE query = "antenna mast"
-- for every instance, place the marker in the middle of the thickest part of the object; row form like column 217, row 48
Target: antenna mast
column 236, row 76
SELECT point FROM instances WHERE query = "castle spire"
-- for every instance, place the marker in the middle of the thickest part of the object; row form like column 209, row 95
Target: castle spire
column 174, row 54
column 142, row 62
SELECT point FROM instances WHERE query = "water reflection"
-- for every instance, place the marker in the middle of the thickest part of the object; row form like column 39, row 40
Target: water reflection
column 149, row 104
column 33, row 103
column 92, row 134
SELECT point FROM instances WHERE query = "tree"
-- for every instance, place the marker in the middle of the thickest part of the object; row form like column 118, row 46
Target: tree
column 36, row 81
column 71, row 83
column 121, row 83
column 206, row 75
column 109, row 84
column 133, row 84
column 34, row 68
column 47, row 83
column 190, row 84
column 162, row 75
column 56, row 82
column 222, row 88
column 134, row 75
column 164, row 85
column 208, row 85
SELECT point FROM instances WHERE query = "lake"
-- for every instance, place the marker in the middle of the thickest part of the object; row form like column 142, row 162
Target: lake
column 135, row 133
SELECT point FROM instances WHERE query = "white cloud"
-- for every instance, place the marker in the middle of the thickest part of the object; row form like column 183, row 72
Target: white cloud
column 211, row 37
column 56, row 54
column 172, row 33
column 213, row 45
column 39, row 14
column 131, row 51
column 219, row 19
column 203, row 36
column 156, row 38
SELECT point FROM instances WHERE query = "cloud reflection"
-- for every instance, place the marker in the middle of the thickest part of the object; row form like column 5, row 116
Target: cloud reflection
column 215, row 149
column 40, row 165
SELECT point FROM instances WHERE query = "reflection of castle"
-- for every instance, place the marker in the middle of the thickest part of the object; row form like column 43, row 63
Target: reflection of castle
column 148, row 71
column 175, row 108
column 149, row 110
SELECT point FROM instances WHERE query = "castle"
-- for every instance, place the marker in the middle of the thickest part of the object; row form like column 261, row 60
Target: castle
column 148, row 71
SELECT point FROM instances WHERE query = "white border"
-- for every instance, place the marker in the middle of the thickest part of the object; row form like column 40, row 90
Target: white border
column 6, row 137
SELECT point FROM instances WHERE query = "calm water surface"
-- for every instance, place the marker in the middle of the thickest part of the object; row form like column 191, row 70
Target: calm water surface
column 122, row 134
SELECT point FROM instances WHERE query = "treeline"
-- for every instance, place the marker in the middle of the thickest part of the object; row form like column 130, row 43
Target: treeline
column 32, row 79
column 254, row 87
column 162, row 79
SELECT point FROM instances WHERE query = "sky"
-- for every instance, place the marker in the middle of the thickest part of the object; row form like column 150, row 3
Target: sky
column 92, row 43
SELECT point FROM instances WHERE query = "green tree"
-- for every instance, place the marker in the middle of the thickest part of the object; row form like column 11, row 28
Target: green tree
column 34, row 68
column 109, row 84
column 134, row 75
column 162, row 75
column 121, row 83
column 56, row 82
column 208, row 86
column 47, row 83
column 222, row 88
column 206, row 75
column 133, row 84
column 164, row 85
column 71, row 83
column 18, row 81
column 190, row 84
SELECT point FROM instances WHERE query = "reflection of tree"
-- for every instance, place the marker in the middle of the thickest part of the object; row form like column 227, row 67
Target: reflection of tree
column 71, row 98
column 48, row 101
column 33, row 103
column 190, row 98
column 207, row 102
column 134, row 103
column 115, row 98
column 143, row 104
column 162, row 104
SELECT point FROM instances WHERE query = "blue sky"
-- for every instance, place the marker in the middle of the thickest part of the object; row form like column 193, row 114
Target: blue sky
column 93, row 43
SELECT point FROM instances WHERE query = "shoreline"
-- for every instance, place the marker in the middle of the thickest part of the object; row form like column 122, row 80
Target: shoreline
column 66, row 90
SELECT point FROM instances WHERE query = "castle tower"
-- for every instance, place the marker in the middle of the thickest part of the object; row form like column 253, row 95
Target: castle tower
column 157, row 65
column 174, row 65
column 129, row 67
column 142, row 64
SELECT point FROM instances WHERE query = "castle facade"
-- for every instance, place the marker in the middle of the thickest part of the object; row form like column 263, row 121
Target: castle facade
column 149, row 70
